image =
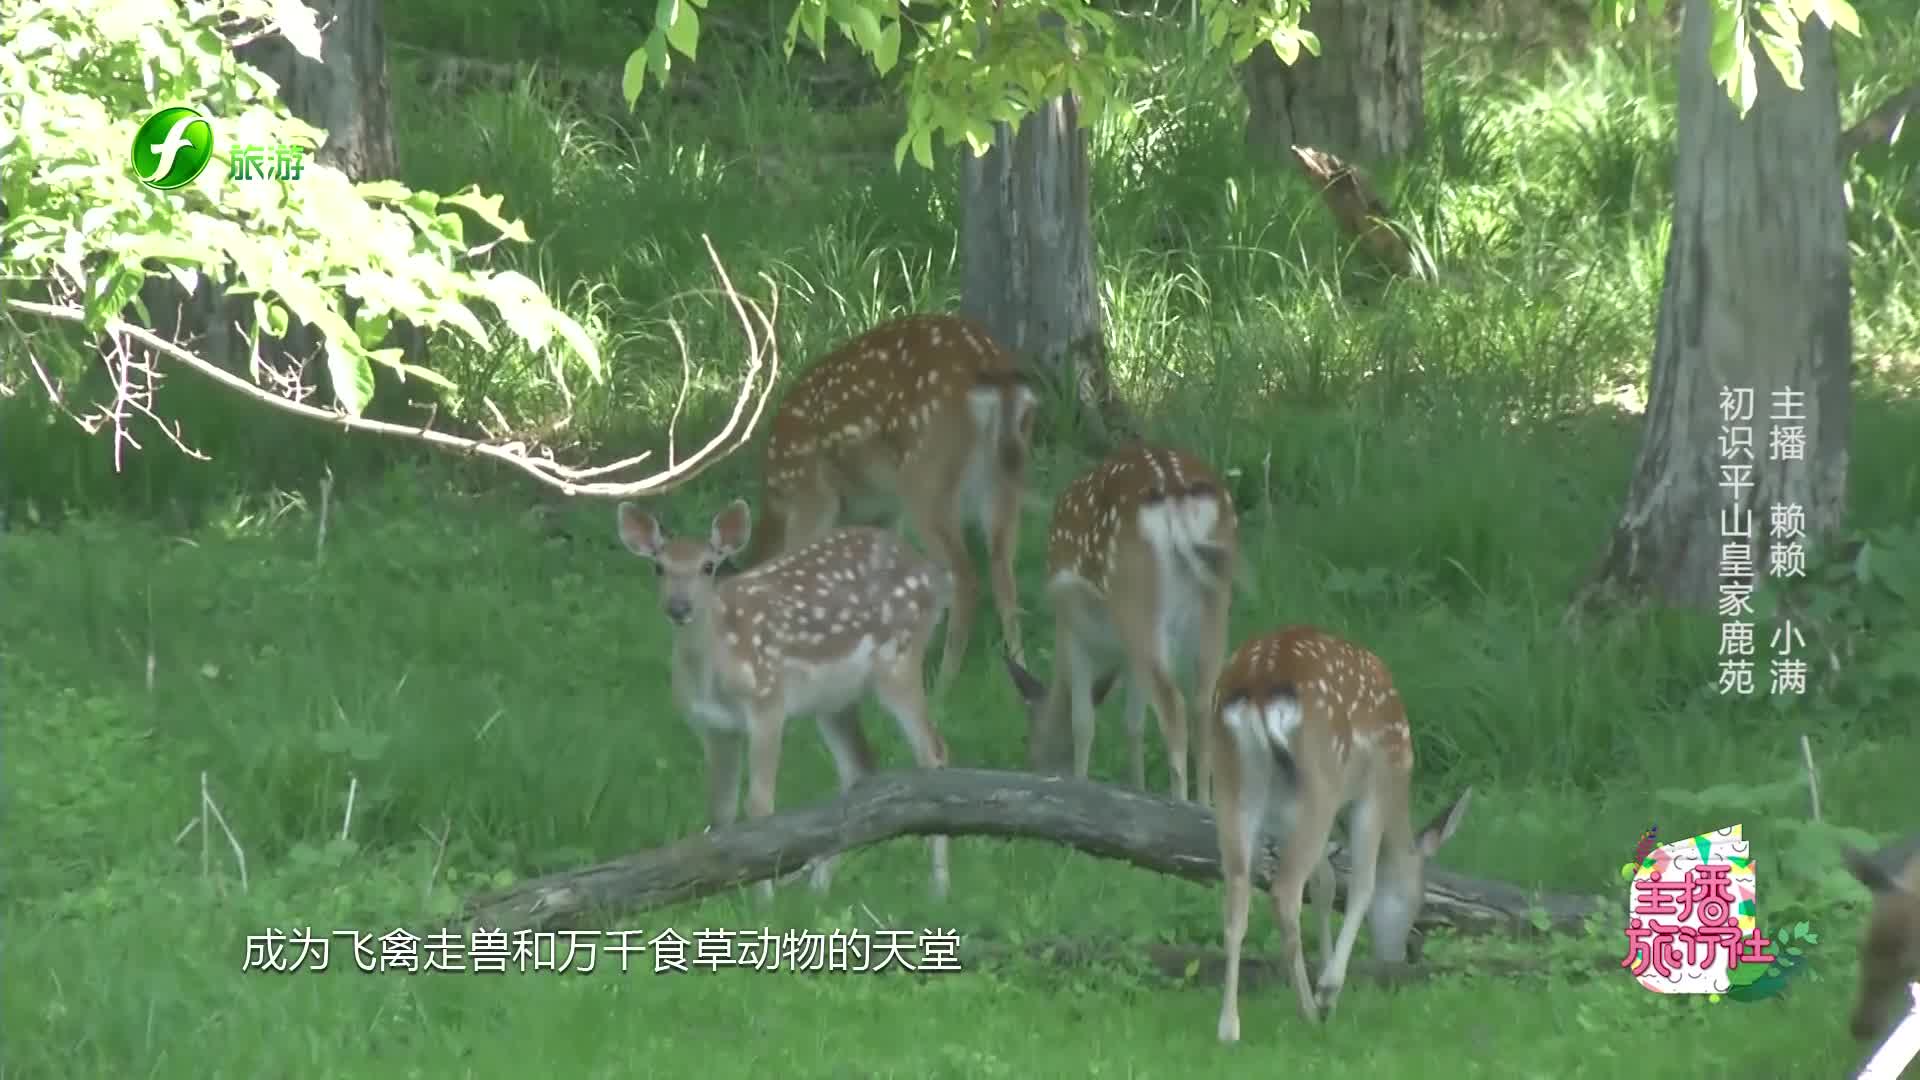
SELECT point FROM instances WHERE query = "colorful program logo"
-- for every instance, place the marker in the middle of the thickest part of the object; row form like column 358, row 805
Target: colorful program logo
column 1692, row 926
column 172, row 147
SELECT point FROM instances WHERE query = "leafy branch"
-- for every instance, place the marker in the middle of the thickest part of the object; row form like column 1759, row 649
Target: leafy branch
column 975, row 65
column 1739, row 26
column 81, row 235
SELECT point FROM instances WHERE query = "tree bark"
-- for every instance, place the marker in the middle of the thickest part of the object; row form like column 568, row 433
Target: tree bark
column 347, row 94
column 1148, row 831
column 1756, row 297
column 1361, row 98
column 1027, row 253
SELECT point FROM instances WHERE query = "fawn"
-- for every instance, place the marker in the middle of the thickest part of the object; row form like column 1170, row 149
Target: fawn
column 1890, row 949
column 1141, row 554
column 1305, row 724
column 926, row 417
column 810, row 632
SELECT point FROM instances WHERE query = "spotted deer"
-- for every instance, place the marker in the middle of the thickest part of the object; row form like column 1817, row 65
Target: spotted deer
column 1890, row 949
column 810, row 632
column 925, row 418
column 1142, row 555
column 1305, row 725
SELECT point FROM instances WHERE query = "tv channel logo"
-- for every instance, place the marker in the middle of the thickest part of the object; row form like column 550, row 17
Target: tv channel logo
column 172, row 148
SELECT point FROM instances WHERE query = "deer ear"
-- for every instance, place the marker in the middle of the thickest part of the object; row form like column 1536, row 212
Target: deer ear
column 1030, row 688
column 640, row 531
column 1867, row 870
column 1442, row 828
column 731, row 527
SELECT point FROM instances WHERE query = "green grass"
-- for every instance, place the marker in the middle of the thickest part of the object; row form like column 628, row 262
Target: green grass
column 1424, row 470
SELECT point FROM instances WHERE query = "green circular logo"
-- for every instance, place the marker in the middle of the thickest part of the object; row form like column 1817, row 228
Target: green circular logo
column 172, row 148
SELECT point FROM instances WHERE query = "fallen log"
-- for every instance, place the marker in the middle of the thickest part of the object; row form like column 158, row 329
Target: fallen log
column 1178, row 964
column 1148, row 831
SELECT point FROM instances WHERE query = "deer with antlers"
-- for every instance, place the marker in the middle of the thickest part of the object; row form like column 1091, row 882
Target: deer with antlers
column 1142, row 555
column 1890, row 949
column 924, row 417
column 1306, row 724
column 810, row 632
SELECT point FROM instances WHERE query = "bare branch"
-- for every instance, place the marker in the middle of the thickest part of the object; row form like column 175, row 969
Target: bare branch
column 763, row 368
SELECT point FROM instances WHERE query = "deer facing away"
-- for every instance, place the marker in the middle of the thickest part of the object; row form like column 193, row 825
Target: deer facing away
column 1890, row 949
column 924, row 417
column 1306, row 724
column 810, row 632
column 1142, row 555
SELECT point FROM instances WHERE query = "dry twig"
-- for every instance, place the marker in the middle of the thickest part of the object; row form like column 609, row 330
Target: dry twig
column 763, row 360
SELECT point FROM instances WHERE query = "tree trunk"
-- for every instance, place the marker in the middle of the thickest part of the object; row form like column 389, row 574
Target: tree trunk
column 1360, row 98
column 1027, row 253
column 1756, row 298
column 347, row 94
column 1149, row 831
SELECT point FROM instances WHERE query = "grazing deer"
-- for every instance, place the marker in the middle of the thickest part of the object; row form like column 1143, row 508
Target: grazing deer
column 1306, row 724
column 926, row 416
column 1890, row 949
column 1141, row 555
column 810, row 632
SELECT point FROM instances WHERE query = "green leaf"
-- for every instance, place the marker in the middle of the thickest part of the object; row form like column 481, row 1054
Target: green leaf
column 1841, row 16
column 860, row 24
column 887, row 51
column 1780, row 22
column 659, row 61
column 487, row 209
column 1721, row 55
column 1785, row 57
column 426, row 375
column 683, row 33
column 792, row 37
column 633, row 77
column 273, row 317
column 352, row 378
column 372, row 327
column 295, row 23
column 1748, row 84
column 816, row 24
column 923, row 148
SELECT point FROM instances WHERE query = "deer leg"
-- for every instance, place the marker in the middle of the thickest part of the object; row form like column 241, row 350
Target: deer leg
column 1239, row 831
column 930, row 512
column 1070, row 654
column 1364, row 830
column 846, row 740
column 1003, row 536
column 722, row 751
column 1322, row 885
column 1210, row 656
column 1304, row 852
column 763, row 765
column 809, row 514
column 1144, row 661
column 1137, row 731
column 902, row 693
